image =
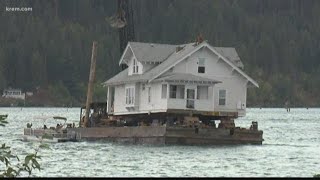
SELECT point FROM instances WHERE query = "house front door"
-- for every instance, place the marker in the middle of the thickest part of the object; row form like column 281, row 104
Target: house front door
column 190, row 98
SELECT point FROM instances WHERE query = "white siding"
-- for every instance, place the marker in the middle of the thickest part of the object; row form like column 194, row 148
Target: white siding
column 141, row 99
column 130, row 66
column 119, row 99
column 156, row 102
column 200, row 104
column 233, row 82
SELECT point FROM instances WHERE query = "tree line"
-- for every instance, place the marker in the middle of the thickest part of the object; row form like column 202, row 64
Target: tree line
column 50, row 47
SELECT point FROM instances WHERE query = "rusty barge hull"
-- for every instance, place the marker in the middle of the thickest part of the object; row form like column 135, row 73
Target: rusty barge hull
column 162, row 135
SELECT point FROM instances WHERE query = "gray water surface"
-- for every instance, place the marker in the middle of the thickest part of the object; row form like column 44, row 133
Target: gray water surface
column 291, row 148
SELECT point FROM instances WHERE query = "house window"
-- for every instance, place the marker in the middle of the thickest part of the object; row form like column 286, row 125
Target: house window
column 149, row 94
column 130, row 96
column 190, row 98
column 202, row 92
column 180, row 92
column 176, row 91
column 201, row 65
column 222, row 97
column 143, row 87
column 173, row 91
column 135, row 66
column 164, row 91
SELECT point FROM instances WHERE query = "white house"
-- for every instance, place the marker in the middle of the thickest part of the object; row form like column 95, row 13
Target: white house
column 193, row 77
column 13, row 93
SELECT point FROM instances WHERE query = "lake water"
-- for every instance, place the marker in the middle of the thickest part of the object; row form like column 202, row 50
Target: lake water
column 291, row 148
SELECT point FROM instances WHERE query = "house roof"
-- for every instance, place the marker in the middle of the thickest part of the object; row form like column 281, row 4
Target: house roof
column 149, row 52
column 249, row 79
column 231, row 54
column 172, row 60
column 123, row 77
column 185, row 77
column 12, row 89
column 167, row 55
column 189, row 50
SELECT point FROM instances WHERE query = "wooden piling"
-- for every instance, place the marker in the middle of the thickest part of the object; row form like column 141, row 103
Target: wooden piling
column 91, row 81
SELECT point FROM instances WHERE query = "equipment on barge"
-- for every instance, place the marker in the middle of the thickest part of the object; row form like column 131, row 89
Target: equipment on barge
column 165, row 128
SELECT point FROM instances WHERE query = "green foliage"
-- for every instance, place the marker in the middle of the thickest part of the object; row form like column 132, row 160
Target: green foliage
column 316, row 176
column 60, row 93
column 29, row 163
column 278, row 42
column 13, row 170
column 5, row 102
column 100, row 93
column 3, row 121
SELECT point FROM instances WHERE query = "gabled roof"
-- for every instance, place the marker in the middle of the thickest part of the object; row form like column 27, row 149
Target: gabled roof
column 231, row 54
column 167, row 55
column 232, row 65
column 189, row 50
column 172, row 60
column 149, row 52
column 123, row 77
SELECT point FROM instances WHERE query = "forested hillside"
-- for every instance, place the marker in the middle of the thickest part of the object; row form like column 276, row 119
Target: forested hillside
column 50, row 47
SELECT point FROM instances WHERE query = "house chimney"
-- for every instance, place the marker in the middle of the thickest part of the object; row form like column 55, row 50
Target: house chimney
column 199, row 39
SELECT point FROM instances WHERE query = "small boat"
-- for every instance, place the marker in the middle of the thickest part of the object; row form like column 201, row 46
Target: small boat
column 53, row 134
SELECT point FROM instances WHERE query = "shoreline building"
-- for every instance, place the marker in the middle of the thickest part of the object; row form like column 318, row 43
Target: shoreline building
column 13, row 93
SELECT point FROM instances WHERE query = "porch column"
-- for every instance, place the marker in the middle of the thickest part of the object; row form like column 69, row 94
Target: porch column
column 108, row 99
column 168, row 91
column 213, row 97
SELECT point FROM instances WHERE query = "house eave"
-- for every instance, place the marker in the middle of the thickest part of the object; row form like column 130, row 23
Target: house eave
column 203, row 45
column 178, row 61
column 192, row 82
column 122, row 59
column 232, row 65
column 105, row 84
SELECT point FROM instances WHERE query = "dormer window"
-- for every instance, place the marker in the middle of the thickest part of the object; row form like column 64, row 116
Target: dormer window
column 135, row 67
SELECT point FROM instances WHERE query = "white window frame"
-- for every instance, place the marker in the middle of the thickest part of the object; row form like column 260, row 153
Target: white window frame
column 135, row 66
column 190, row 100
column 173, row 95
column 202, row 65
column 130, row 95
column 182, row 92
column 221, row 98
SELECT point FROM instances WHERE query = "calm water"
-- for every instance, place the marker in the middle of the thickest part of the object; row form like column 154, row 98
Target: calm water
column 291, row 148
